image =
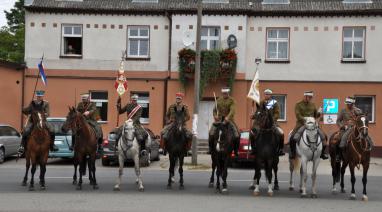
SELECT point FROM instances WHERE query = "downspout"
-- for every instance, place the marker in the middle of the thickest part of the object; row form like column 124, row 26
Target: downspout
column 168, row 67
column 22, row 96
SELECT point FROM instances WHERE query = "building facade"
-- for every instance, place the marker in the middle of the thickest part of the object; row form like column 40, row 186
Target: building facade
column 330, row 47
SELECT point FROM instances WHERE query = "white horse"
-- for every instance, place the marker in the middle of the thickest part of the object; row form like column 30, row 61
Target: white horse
column 128, row 147
column 309, row 148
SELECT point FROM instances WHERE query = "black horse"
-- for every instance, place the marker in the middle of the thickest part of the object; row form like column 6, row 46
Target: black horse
column 222, row 145
column 176, row 146
column 267, row 158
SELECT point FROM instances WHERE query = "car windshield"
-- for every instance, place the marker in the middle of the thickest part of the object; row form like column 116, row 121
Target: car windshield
column 244, row 135
column 57, row 125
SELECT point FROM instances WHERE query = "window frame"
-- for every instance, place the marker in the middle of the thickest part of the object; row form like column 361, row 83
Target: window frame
column 277, row 40
column 352, row 40
column 285, row 107
column 148, row 37
column 101, row 101
column 208, row 37
column 373, row 97
column 62, row 41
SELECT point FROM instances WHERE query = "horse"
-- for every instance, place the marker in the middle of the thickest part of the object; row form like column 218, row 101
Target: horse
column 85, row 146
column 128, row 146
column 176, row 146
column 37, row 150
column 223, row 143
column 309, row 148
column 267, row 150
column 355, row 154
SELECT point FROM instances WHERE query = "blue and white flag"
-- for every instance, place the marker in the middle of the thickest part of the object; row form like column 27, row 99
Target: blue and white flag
column 42, row 73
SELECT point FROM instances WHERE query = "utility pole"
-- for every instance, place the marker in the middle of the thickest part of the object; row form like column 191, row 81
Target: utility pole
column 197, row 85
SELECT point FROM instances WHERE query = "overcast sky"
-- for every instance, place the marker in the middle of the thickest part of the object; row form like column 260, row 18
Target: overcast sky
column 5, row 5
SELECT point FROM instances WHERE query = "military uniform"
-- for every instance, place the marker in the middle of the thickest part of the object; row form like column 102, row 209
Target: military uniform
column 82, row 107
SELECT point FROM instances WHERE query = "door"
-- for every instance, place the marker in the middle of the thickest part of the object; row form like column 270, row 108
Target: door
column 205, row 118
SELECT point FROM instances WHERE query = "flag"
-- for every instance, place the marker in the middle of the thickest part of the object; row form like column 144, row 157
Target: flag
column 42, row 73
column 254, row 90
column 121, row 83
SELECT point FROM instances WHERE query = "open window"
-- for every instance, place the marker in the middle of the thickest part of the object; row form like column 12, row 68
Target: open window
column 71, row 40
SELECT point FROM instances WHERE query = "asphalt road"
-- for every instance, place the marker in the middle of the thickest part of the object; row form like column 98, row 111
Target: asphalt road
column 61, row 195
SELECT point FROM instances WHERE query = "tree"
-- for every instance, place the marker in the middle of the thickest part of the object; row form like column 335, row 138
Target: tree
column 12, row 37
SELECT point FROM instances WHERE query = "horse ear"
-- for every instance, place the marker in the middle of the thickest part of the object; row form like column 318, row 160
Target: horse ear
column 70, row 109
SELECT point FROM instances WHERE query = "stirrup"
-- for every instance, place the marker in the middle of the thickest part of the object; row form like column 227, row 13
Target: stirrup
column 143, row 152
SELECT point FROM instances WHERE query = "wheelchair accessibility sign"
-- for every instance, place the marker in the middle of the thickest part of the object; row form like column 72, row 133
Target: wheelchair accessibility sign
column 330, row 119
column 330, row 106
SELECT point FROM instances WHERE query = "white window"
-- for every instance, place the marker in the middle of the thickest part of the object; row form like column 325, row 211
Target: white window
column 100, row 98
column 281, row 100
column 353, row 43
column 138, row 41
column 275, row 1
column 210, row 38
column 144, row 102
column 71, row 40
column 278, row 44
column 367, row 105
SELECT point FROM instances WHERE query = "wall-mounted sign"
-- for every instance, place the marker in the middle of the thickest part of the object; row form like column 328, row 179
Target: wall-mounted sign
column 330, row 106
column 330, row 118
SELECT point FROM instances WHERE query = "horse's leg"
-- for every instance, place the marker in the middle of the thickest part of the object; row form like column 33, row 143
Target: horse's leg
column 252, row 185
column 181, row 181
column 225, row 174
column 92, row 161
column 343, row 169
column 212, row 178
column 316, row 162
column 275, row 170
column 27, row 165
column 88, row 163
column 33, row 171
column 365, row 166
column 138, row 171
column 80, row 172
column 171, row 170
column 218, row 174
column 42, row 175
column 335, row 173
column 304, row 177
column 75, row 164
column 352, row 179
column 268, row 172
column 291, row 170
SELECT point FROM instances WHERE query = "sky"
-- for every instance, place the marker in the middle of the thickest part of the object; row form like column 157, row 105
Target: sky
column 5, row 5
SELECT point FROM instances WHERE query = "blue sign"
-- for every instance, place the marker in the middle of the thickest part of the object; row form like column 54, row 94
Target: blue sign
column 330, row 106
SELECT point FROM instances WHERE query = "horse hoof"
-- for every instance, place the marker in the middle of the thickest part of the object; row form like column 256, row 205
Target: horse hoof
column 141, row 189
column 365, row 198
column 24, row 183
column 31, row 188
column 291, row 188
column 270, row 194
column 256, row 193
column 136, row 181
column 74, row 182
column 303, row 196
column 224, row 191
column 276, row 187
column 116, row 188
column 169, row 187
column 95, row 187
column 181, row 187
column 300, row 191
column 343, row 190
column 218, row 190
column 314, row 196
column 210, row 185
column 352, row 197
column 252, row 187
column 42, row 188
column 79, row 188
column 173, row 179
column 334, row 191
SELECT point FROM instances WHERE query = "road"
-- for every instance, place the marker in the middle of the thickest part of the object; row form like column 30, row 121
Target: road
column 62, row 196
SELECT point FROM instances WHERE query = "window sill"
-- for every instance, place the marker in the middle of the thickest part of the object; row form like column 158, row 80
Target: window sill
column 353, row 61
column 71, row 56
column 277, row 61
column 282, row 121
column 138, row 58
column 102, row 122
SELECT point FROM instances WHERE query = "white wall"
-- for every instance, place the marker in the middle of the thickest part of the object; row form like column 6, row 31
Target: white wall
column 102, row 48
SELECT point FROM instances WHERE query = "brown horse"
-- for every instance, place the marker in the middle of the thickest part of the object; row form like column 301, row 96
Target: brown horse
column 356, row 153
column 37, row 150
column 84, row 147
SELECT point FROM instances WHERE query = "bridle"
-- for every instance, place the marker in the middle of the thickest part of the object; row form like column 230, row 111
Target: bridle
column 359, row 139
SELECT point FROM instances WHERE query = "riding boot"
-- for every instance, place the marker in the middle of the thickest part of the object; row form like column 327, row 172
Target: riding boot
column 99, row 146
column 71, row 147
column 52, row 146
column 254, row 149
column 236, row 145
column 22, row 147
column 281, row 148
column 324, row 156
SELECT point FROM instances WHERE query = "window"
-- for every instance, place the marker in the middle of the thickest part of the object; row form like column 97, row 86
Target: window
column 278, row 44
column 138, row 41
column 357, row 1
column 101, row 100
column 353, row 43
column 275, row 1
column 145, row 1
column 367, row 105
column 210, row 38
column 144, row 101
column 281, row 100
column 71, row 40
column 216, row 1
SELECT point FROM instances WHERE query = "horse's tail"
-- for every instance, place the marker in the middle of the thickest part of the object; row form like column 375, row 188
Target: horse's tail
column 296, row 163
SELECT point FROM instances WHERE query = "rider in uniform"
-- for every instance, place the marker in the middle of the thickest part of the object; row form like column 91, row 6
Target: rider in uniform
column 345, row 122
column 134, row 112
column 273, row 106
column 306, row 108
column 171, row 116
column 225, row 112
column 89, row 110
column 37, row 105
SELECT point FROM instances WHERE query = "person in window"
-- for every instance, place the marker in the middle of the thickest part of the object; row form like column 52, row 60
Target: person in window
column 272, row 105
column 71, row 50
column 134, row 112
column 345, row 122
column 89, row 110
column 171, row 115
column 306, row 108
column 225, row 112
column 37, row 105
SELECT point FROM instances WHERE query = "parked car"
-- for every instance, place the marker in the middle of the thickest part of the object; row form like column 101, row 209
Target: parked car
column 110, row 154
column 9, row 141
column 62, row 140
column 245, row 149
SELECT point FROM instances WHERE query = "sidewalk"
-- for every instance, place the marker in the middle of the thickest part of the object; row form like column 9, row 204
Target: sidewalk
column 204, row 164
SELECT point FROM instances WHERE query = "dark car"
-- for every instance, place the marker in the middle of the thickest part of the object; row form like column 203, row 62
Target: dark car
column 245, row 155
column 9, row 141
column 110, row 154
column 62, row 140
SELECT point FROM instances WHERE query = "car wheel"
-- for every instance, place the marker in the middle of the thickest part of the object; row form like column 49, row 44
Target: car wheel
column 2, row 155
column 105, row 162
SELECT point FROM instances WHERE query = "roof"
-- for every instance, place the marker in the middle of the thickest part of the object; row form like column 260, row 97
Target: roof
column 296, row 7
column 11, row 65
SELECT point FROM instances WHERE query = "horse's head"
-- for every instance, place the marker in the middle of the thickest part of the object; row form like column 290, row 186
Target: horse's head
column 72, row 121
column 128, row 130
column 222, row 136
column 265, row 119
column 310, row 123
column 362, row 125
column 37, row 118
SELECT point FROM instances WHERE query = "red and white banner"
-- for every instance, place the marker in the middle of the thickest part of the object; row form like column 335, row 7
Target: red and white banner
column 121, row 82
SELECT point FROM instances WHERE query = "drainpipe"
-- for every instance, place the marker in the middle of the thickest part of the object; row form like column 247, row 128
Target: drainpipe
column 24, row 68
column 168, row 67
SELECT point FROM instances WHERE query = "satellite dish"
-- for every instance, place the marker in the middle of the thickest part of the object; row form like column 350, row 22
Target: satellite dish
column 188, row 38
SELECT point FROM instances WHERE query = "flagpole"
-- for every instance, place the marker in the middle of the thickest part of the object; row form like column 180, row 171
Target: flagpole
column 124, row 53
column 38, row 76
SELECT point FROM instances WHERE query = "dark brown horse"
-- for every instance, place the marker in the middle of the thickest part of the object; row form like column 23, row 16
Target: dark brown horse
column 85, row 146
column 37, row 150
column 356, row 153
